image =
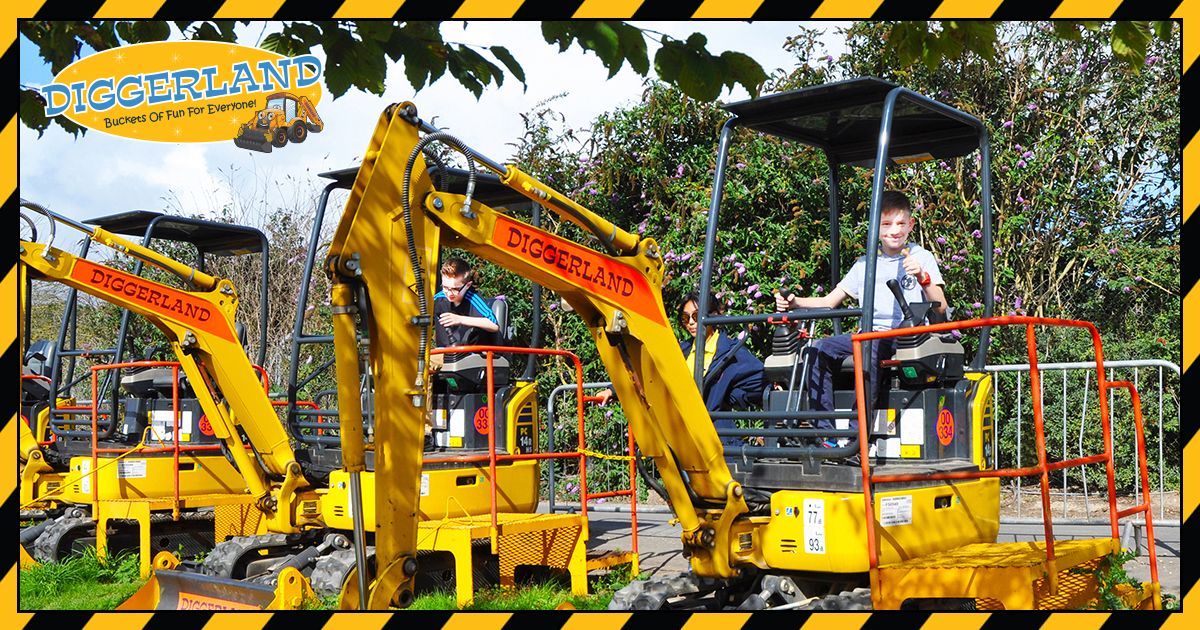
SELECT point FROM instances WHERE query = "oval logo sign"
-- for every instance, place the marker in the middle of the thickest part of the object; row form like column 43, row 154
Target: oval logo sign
column 192, row 91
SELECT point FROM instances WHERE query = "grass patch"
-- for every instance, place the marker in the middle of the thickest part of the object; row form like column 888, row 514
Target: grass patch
column 80, row 583
column 547, row 595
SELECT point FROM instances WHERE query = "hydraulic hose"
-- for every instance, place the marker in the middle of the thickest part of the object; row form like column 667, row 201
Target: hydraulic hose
column 414, row 257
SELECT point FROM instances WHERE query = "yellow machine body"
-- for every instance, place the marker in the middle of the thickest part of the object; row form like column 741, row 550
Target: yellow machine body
column 825, row 531
column 459, row 490
column 144, row 477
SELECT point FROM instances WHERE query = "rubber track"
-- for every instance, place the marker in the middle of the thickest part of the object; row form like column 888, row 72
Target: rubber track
column 48, row 546
column 655, row 593
column 224, row 557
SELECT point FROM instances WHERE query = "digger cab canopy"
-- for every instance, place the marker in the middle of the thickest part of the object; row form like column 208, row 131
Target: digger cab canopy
column 209, row 237
column 843, row 119
column 868, row 122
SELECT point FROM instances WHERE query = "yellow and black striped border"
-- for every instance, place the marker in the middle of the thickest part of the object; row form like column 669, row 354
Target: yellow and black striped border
column 562, row 9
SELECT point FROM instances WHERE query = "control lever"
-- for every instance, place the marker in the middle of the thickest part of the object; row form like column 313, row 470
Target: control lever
column 905, row 309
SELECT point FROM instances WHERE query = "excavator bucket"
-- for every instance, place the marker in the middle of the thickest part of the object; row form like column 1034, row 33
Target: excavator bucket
column 253, row 139
column 180, row 590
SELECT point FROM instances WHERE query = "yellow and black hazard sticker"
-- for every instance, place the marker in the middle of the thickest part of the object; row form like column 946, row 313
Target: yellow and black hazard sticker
column 794, row 10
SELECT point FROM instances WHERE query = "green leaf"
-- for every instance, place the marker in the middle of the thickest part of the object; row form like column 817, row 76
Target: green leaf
column 743, row 69
column 633, row 47
column 464, row 76
column 907, row 40
column 379, row 31
column 557, row 33
column 1068, row 30
column 1162, row 28
column 668, row 60
column 1130, row 40
column 699, row 75
column 483, row 69
column 501, row 53
column 33, row 111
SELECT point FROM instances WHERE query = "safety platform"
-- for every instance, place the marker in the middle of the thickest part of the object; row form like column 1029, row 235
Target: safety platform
column 233, row 515
column 551, row 540
column 1012, row 576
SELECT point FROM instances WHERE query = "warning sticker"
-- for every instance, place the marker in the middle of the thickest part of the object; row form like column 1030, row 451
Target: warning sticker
column 814, row 526
column 425, row 485
column 131, row 469
column 163, row 423
column 895, row 510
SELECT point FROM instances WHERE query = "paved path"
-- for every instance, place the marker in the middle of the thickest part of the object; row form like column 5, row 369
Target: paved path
column 660, row 551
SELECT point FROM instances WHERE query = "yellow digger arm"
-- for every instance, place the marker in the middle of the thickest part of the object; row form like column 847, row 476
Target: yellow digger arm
column 384, row 254
column 199, row 327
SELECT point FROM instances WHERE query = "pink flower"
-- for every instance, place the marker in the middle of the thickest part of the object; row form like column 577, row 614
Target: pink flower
column 977, row 234
column 1007, row 124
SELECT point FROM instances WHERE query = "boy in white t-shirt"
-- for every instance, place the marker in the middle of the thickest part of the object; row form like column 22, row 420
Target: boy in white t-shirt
column 911, row 265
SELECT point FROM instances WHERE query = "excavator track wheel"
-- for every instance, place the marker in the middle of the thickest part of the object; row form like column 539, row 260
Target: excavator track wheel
column 58, row 538
column 332, row 570
column 298, row 132
column 279, row 137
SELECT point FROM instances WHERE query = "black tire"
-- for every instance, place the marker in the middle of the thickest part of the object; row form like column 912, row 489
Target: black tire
column 279, row 137
column 298, row 132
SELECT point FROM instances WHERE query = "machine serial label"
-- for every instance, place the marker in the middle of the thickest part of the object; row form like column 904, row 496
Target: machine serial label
column 814, row 526
column 179, row 306
column 85, row 476
column 582, row 267
column 895, row 511
column 425, row 485
column 131, row 469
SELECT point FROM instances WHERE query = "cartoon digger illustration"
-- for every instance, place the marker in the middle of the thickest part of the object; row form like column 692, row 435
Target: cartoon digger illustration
column 286, row 117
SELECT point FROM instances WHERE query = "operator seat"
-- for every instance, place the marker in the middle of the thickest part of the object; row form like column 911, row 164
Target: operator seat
column 468, row 371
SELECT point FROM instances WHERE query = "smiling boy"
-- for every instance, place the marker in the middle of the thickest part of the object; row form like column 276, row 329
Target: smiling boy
column 911, row 265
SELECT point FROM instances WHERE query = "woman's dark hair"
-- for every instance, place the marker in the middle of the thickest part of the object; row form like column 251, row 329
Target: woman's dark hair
column 715, row 307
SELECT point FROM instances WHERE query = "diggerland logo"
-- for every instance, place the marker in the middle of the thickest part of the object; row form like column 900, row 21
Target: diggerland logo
column 191, row 91
column 580, row 266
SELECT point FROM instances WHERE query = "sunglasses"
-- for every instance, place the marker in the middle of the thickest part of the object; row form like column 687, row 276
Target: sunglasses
column 689, row 318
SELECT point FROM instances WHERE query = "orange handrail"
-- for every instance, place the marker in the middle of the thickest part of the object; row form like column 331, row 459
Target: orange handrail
column 176, row 449
column 492, row 457
column 1043, row 467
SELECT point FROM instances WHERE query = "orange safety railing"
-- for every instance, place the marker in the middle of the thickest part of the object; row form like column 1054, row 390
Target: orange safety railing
column 176, row 449
column 580, row 454
column 1043, row 467
column 630, row 492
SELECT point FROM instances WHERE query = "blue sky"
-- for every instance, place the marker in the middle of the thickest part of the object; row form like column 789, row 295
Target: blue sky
column 100, row 174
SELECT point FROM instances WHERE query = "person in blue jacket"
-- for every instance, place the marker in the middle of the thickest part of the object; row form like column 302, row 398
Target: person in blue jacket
column 733, row 376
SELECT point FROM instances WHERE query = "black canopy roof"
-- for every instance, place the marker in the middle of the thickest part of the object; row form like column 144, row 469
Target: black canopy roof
column 210, row 237
column 843, row 119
